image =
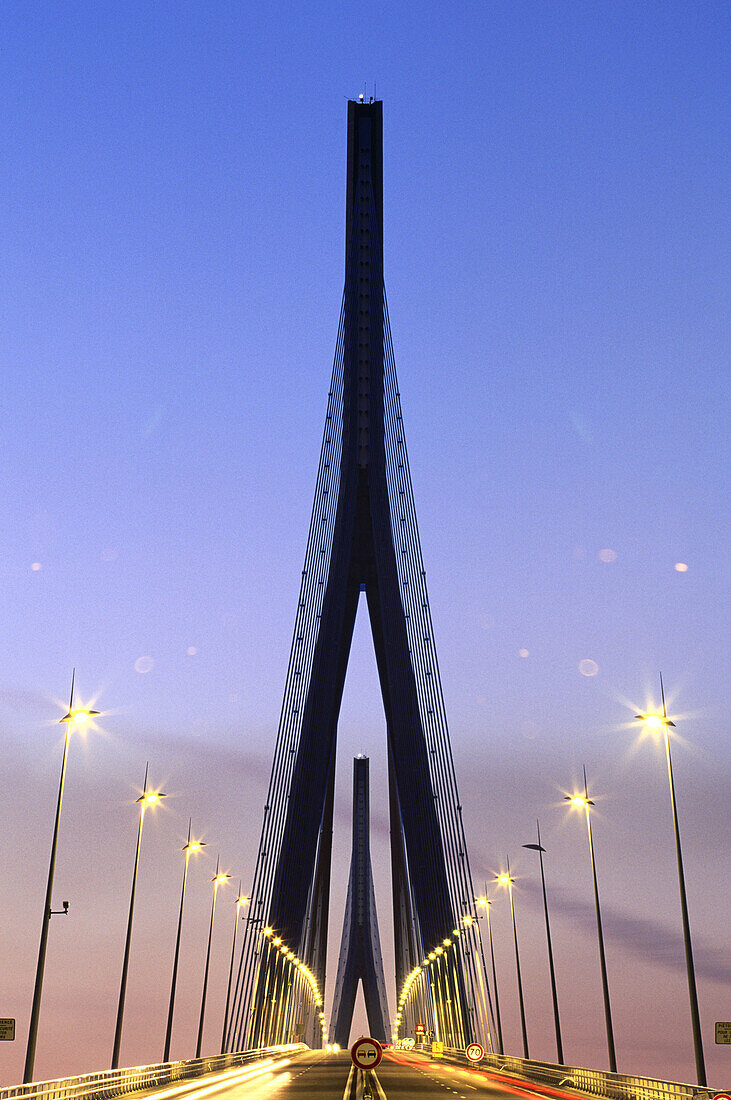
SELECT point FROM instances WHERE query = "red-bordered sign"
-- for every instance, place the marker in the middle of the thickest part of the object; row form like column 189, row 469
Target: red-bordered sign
column 722, row 1096
column 366, row 1053
column 475, row 1053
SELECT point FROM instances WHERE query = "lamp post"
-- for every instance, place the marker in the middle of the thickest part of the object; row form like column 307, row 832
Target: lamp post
column 436, row 997
column 540, row 849
column 584, row 802
column 484, row 900
column 147, row 798
column 81, row 715
column 218, row 880
column 190, row 848
column 505, row 879
column 657, row 721
column 241, row 901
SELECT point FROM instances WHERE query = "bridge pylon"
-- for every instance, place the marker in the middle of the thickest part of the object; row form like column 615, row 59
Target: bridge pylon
column 364, row 541
column 360, row 948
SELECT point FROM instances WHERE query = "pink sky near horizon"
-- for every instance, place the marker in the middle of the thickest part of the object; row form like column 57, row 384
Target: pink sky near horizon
column 223, row 789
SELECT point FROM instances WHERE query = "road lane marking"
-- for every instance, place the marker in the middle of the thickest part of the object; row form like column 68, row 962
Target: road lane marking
column 437, row 1081
column 520, row 1087
column 349, row 1082
column 378, row 1086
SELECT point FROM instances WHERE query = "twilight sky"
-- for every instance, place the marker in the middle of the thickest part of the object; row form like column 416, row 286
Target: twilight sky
column 555, row 181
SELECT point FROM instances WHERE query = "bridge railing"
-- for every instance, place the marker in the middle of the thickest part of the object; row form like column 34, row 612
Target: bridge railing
column 609, row 1086
column 117, row 1082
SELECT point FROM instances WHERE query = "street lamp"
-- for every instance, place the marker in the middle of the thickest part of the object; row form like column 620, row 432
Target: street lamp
column 81, row 716
column 505, row 879
column 484, row 900
column 241, row 901
column 582, row 801
column 219, row 879
column 190, row 848
column 147, row 798
column 540, row 849
column 662, row 722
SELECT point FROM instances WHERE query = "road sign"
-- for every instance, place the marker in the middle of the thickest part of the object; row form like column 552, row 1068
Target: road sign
column 722, row 1096
column 366, row 1053
column 475, row 1053
column 723, row 1031
column 7, row 1029
column 437, row 1049
column 420, row 1029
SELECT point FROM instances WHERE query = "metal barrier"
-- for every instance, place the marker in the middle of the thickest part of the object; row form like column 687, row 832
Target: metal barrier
column 612, row 1086
column 118, row 1082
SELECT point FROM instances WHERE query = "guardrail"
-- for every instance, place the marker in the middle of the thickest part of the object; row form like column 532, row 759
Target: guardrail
column 117, row 1082
column 611, row 1086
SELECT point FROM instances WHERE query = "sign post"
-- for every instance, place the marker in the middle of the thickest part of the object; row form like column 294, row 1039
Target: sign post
column 366, row 1054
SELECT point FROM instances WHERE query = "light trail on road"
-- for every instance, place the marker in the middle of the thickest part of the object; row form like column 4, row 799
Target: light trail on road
column 316, row 1075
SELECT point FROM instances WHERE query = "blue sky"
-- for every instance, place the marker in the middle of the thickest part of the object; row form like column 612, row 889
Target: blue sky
column 555, row 181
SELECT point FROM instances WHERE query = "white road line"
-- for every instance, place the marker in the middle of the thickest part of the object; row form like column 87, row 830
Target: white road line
column 379, row 1086
column 348, row 1083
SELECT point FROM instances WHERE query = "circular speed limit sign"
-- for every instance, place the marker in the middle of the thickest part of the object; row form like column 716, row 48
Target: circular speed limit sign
column 366, row 1053
column 475, row 1052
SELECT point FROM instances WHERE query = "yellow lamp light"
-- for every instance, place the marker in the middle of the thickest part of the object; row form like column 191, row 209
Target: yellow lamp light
column 81, row 715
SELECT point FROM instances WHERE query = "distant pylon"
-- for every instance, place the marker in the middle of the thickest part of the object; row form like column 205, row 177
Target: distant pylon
column 360, row 948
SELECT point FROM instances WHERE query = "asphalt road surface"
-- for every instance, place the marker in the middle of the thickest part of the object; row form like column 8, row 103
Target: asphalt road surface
column 314, row 1075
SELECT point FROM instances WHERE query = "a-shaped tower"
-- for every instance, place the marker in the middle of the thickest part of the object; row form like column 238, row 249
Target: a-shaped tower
column 364, row 539
column 360, row 947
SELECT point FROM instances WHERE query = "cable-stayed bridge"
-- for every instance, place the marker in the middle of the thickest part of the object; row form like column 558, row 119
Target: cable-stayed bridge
column 281, row 1035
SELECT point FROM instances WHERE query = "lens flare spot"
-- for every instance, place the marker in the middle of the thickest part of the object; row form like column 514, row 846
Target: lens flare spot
column 524, row 653
column 530, row 730
column 36, row 567
column 192, row 650
column 144, row 664
column 587, row 667
column 607, row 555
column 681, row 567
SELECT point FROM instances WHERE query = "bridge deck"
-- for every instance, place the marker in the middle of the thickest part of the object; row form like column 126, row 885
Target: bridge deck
column 315, row 1075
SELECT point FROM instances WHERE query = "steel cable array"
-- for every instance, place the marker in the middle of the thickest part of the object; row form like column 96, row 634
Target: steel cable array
column 307, row 622
column 432, row 710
